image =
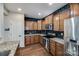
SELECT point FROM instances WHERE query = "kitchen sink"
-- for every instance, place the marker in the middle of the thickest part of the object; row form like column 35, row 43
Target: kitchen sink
column 5, row 53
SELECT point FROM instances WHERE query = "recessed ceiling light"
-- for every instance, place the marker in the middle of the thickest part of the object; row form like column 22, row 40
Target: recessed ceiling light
column 19, row 9
column 39, row 14
column 50, row 4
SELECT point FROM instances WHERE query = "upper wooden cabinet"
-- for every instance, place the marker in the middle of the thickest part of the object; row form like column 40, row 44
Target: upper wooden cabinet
column 50, row 19
column 46, row 20
column 56, row 22
column 35, row 26
column 74, row 9
column 43, row 25
column 27, row 27
column 63, row 16
column 31, row 25
column 39, row 25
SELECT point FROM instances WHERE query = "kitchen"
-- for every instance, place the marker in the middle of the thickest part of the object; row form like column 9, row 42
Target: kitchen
column 50, row 33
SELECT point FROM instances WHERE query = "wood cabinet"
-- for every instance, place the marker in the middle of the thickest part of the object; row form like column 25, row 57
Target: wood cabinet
column 46, row 20
column 27, row 40
column 50, row 18
column 41, row 40
column 31, row 25
column 43, row 24
column 32, row 39
column 52, row 47
column 37, row 38
column 74, row 7
column 35, row 26
column 59, row 49
column 63, row 16
column 27, row 27
column 56, row 22
column 58, row 19
column 39, row 25
column 56, row 48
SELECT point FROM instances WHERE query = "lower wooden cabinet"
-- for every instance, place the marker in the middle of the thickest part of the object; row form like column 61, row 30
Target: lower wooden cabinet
column 52, row 47
column 27, row 40
column 37, row 39
column 32, row 39
column 56, row 48
column 59, row 49
column 41, row 40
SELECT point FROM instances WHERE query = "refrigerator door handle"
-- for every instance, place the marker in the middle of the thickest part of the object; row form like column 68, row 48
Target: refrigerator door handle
column 74, row 41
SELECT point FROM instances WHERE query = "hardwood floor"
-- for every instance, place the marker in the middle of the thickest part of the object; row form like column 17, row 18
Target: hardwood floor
column 32, row 50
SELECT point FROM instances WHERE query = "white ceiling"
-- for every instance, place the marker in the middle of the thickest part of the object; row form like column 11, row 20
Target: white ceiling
column 32, row 9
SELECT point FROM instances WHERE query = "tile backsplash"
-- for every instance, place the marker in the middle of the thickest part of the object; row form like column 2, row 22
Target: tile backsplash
column 58, row 34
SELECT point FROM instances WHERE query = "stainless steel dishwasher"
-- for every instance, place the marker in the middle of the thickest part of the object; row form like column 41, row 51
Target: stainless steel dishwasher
column 46, row 43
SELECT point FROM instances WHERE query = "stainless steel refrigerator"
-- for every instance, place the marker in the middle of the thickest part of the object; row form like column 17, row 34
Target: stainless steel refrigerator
column 71, row 36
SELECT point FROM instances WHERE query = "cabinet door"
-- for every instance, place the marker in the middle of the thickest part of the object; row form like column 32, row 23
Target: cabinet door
column 32, row 40
column 27, row 25
column 56, row 22
column 46, row 20
column 41, row 40
column 74, row 9
column 43, row 24
column 35, row 26
column 31, row 25
column 27, row 40
column 36, row 39
column 50, row 19
column 52, row 47
column 59, row 49
column 39, row 25
column 63, row 16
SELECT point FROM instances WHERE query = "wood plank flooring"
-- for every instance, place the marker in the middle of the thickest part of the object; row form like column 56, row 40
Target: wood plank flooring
column 32, row 50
